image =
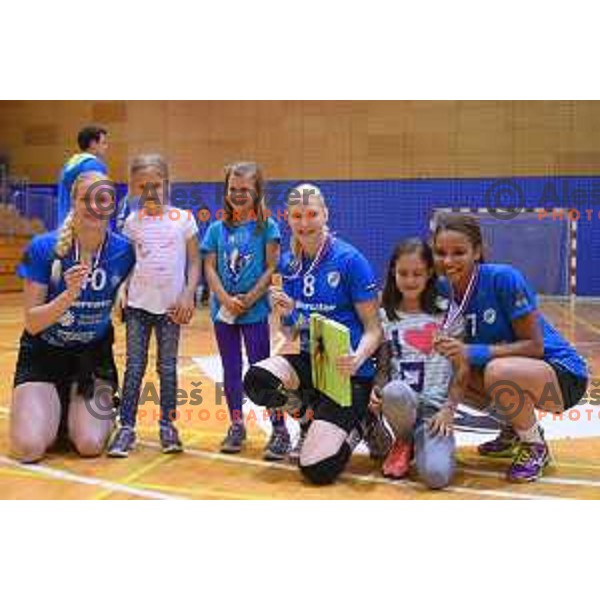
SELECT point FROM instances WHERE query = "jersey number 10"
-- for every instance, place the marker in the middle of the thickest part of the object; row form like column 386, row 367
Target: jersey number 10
column 96, row 279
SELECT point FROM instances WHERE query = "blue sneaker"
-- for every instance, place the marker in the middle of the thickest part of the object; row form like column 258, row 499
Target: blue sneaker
column 122, row 443
column 235, row 438
column 169, row 439
column 279, row 444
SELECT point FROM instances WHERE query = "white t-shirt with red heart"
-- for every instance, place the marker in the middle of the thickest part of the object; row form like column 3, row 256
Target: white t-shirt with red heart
column 413, row 358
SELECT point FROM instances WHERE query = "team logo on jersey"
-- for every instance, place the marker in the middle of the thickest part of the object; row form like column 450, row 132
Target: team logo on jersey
column 442, row 303
column 333, row 279
column 67, row 319
column 489, row 316
column 521, row 300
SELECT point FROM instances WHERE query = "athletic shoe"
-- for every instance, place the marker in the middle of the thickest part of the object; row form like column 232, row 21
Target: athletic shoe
column 235, row 438
column 504, row 446
column 397, row 462
column 279, row 444
column 169, row 439
column 529, row 462
column 355, row 436
column 294, row 453
column 378, row 439
column 122, row 442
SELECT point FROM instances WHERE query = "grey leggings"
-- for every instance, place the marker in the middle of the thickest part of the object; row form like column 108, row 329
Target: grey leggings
column 434, row 455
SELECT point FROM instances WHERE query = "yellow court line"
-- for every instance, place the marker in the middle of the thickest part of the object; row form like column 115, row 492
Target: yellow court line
column 219, row 493
column 163, row 458
column 353, row 477
column 14, row 471
column 102, row 495
column 47, row 472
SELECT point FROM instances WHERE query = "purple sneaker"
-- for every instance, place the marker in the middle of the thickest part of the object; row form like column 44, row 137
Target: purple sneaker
column 529, row 462
column 122, row 443
column 504, row 446
column 235, row 438
column 169, row 439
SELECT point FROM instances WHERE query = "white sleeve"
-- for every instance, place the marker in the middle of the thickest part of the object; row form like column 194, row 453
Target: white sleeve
column 190, row 225
column 129, row 228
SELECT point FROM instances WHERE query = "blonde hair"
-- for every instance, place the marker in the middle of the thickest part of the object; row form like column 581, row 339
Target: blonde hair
column 155, row 161
column 66, row 233
column 304, row 190
column 149, row 161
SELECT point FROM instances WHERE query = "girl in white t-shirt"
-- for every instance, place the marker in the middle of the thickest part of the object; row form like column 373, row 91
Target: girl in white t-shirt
column 160, row 297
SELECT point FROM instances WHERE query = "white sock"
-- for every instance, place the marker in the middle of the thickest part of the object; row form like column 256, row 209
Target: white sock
column 531, row 435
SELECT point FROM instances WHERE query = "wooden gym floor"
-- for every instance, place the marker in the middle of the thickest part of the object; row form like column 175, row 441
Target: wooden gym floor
column 202, row 473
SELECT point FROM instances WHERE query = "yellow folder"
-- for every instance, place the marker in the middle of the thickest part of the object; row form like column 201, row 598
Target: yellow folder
column 328, row 341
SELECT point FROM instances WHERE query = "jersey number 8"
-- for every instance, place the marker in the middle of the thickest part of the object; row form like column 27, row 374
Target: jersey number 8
column 309, row 286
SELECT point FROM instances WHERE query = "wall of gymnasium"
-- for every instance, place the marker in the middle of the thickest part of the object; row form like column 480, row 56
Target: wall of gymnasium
column 380, row 162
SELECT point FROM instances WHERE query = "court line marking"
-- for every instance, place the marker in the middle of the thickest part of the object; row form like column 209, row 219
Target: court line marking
column 142, row 470
column 545, row 479
column 62, row 475
column 264, row 464
column 265, row 427
column 138, row 490
column 131, row 477
column 363, row 478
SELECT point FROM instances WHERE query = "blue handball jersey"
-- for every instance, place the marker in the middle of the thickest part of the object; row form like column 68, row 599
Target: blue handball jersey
column 502, row 296
column 88, row 318
column 342, row 278
column 73, row 168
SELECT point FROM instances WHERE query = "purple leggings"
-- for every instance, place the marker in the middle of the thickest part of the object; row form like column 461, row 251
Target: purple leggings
column 257, row 340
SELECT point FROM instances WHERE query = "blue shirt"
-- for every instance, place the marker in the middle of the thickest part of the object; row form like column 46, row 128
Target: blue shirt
column 241, row 261
column 503, row 296
column 342, row 278
column 73, row 168
column 88, row 318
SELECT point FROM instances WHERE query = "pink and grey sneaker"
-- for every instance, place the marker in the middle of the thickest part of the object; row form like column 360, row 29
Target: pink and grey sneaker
column 529, row 462
column 397, row 462
column 503, row 446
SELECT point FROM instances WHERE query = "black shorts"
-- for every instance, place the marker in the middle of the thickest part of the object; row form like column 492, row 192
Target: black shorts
column 573, row 388
column 324, row 408
column 39, row 361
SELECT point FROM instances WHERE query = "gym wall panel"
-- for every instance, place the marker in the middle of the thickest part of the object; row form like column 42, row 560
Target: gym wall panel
column 41, row 135
column 320, row 139
column 109, row 111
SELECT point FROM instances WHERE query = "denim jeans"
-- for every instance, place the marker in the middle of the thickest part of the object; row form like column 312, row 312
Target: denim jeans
column 140, row 324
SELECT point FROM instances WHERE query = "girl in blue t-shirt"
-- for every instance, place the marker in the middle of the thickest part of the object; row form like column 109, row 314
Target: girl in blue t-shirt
column 518, row 360
column 241, row 253
column 65, row 375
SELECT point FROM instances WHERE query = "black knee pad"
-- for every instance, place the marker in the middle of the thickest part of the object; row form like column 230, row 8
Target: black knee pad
column 326, row 471
column 264, row 388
